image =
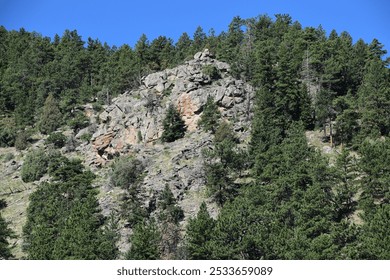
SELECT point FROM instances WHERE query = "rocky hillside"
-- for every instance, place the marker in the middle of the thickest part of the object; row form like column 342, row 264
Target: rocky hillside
column 132, row 125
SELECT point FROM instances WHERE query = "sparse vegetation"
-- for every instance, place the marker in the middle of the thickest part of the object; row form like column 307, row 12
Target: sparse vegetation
column 57, row 139
column 211, row 71
column 126, row 172
column 35, row 165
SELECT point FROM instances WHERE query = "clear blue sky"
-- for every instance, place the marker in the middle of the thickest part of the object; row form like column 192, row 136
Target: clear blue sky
column 118, row 22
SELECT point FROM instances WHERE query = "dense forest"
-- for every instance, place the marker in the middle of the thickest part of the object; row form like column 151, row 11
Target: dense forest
column 295, row 203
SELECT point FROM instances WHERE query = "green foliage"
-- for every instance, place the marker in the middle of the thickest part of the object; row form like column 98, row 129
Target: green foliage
column 3, row 204
column 374, row 100
column 5, row 234
column 139, row 136
column 223, row 164
column 7, row 136
column 126, row 172
column 211, row 71
column 79, row 121
column 174, row 126
column 170, row 211
column 51, row 116
column 346, row 174
column 297, row 206
column 375, row 235
column 375, row 168
column 210, row 117
column 170, row 214
column 199, row 233
column 144, row 242
column 86, row 137
column 21, row 140
column 64, row 220
column 34, row 166
column 57, row 139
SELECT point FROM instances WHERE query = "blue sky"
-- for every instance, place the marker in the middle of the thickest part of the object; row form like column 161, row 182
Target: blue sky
column 118, row 22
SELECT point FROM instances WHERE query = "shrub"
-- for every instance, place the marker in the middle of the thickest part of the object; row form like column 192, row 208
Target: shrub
column 57, row 139
column 34, row 166
column 7, row 137
column 170, row 211
column 139, row 136
column 86, row 137
column 168, row 91
column 80, row 121
column 126, row 172
column 211, row 71
column 3, row 204
column 21, row 140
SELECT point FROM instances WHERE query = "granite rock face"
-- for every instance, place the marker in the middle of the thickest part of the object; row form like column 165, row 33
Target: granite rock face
column 132, row 125
column 134, row 119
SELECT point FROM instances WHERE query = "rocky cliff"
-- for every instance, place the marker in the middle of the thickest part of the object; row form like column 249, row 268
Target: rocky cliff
column 132, row 125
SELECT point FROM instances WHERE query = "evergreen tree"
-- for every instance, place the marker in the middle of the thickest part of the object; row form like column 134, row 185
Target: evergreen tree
column 210, row 117
column 199, row 40
column 145, row 242
column 173, row 124
column 223, row 164
column 375, row 168
column 51, row 116
column 5, row 234
column 169, row 217
column 374, row 239
column 199, row 233
column 183, row 48
column 346, row 173
column 63, row 217
column 374, row 100
column 167, row 204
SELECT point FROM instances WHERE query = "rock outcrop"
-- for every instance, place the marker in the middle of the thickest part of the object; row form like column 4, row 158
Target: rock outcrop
column 132, row 124
column 134, row 119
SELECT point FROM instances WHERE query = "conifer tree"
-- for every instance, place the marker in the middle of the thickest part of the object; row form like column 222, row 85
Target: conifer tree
column 5, row 234
column 145, row 242
column 374, row 100
column 63, row 218
column 375, row 239
column 210, row 117
column 199, row 233
column 346, row 184
column 169, row 217
column 173, row 124
column 223, row 164
column 51, row 116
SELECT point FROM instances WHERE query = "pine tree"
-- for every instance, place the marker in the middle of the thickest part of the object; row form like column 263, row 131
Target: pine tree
column 375, row 168
column 210, row 117
column 346, row 184
column 173, row 124
column 5, row 234
column 51, row 116
column 199, row 232
column 63, row 217
column 145, row 242
column 374, row 100
column 374, row 239
column 169, row 217
column 223, row 164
